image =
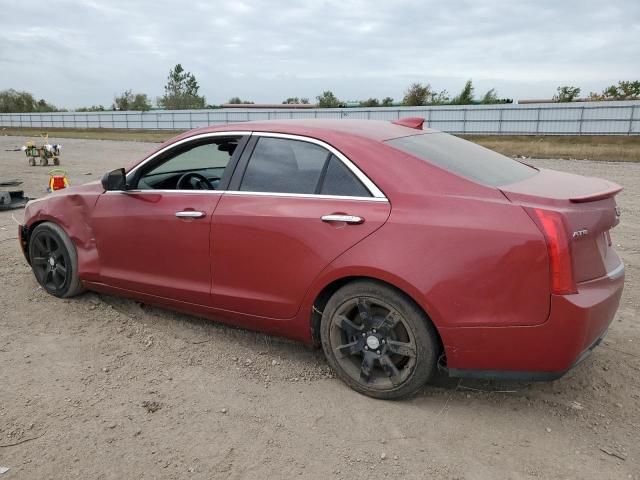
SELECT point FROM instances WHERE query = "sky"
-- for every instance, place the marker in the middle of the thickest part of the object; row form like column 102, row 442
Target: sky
column 77, row 53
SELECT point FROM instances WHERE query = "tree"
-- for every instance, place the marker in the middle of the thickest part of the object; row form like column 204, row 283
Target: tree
column 417, row 95
column 328, row 100
column 181, row 91
column 629, row 90
column 239, row 101
column 567, row 93
column 141, row 102
column 372, row 102
column 13, row 101
column 130, row 101
column 625, row 90
column 610, row 93
column 439, row 98
column 490, row 97
column 387, row 102
column 465, row 97
column 43, row 106
column 92, row 108
column 295, row 101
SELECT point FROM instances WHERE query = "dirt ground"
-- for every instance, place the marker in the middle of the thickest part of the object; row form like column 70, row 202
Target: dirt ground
column 102, row 387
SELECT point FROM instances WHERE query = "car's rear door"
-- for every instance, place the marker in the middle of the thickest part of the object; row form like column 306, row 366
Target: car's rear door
column 293, row 206
column 155, row 237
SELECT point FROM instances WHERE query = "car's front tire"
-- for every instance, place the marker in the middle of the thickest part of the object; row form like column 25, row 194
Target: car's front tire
column 54, row 260
column 378, row 340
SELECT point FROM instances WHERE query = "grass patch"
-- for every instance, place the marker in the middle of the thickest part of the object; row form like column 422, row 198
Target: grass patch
column 584, row 147
column 589, row 147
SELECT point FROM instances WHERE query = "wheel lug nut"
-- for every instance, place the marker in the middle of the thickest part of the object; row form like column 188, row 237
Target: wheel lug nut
column 384, row 341
column 364, row 334
column 378, row 352
column 366, row 348
column 374, row 330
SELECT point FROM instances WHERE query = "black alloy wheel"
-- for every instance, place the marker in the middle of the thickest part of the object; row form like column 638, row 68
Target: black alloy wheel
column 378, row 341
column 53, row 260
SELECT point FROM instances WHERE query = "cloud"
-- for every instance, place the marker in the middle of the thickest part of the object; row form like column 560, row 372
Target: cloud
column 269, row 50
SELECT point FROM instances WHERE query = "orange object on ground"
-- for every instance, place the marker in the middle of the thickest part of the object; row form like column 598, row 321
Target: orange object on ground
column 58, row 180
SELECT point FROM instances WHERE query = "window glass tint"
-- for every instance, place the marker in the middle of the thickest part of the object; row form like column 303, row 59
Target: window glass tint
column 197, row 158
column 208, row 159
column 465, row 158
column 339, row 180
column 280, row 165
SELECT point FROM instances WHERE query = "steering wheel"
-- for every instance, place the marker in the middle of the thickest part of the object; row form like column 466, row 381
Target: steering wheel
column 203, row 182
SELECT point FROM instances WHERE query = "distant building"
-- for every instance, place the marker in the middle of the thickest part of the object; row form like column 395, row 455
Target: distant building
column 270, row 106
column 551, row 100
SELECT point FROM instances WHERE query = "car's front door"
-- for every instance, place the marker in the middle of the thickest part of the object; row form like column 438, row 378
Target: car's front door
column 154, row 238
column 293, row 206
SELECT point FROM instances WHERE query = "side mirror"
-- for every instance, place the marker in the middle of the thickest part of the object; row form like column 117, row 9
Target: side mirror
column 114, row 180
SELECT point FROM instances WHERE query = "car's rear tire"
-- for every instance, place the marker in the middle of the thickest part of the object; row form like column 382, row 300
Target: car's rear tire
column 378, row 341
column 54, row 260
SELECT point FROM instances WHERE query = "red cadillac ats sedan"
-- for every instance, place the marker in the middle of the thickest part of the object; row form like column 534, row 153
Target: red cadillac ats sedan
column 397, row 249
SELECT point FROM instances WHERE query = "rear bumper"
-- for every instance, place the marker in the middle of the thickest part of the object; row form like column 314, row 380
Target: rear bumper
column 515, row 375
column 576, row 325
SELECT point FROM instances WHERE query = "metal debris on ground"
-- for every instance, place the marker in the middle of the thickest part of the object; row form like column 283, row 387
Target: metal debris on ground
column 11, row 198
column 10, row 183
column 613, row 453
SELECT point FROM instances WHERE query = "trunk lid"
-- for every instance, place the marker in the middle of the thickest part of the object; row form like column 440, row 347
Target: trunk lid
column 588, row 211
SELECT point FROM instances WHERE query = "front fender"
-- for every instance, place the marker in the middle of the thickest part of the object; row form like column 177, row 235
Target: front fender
column 72, row 212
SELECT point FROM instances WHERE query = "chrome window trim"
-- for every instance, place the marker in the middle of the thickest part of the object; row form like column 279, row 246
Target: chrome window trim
column 306, row 195
column 376, row 193
column 258, row 194
column 372, row 187
column 154, row 191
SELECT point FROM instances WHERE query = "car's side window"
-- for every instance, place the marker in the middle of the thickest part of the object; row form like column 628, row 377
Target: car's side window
column 197, row 165
column 339, row 180
column 279, row 165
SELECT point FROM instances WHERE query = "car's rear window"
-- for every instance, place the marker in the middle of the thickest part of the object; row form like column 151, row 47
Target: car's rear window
column 464, row 158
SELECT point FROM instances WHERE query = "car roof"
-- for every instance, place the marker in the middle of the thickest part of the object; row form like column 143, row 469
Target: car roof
column 378, row 130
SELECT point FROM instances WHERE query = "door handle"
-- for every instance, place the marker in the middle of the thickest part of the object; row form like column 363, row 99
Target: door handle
column 190, row 214
column 342, row 218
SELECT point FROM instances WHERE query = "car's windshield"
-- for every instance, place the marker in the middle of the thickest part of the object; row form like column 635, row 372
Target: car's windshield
column 464, row 158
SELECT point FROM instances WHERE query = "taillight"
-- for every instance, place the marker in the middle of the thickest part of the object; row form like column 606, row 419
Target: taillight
column 561, row 266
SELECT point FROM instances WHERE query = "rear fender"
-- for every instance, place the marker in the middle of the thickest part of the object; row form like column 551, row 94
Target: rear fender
column 351, row 273
column 465, row 261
